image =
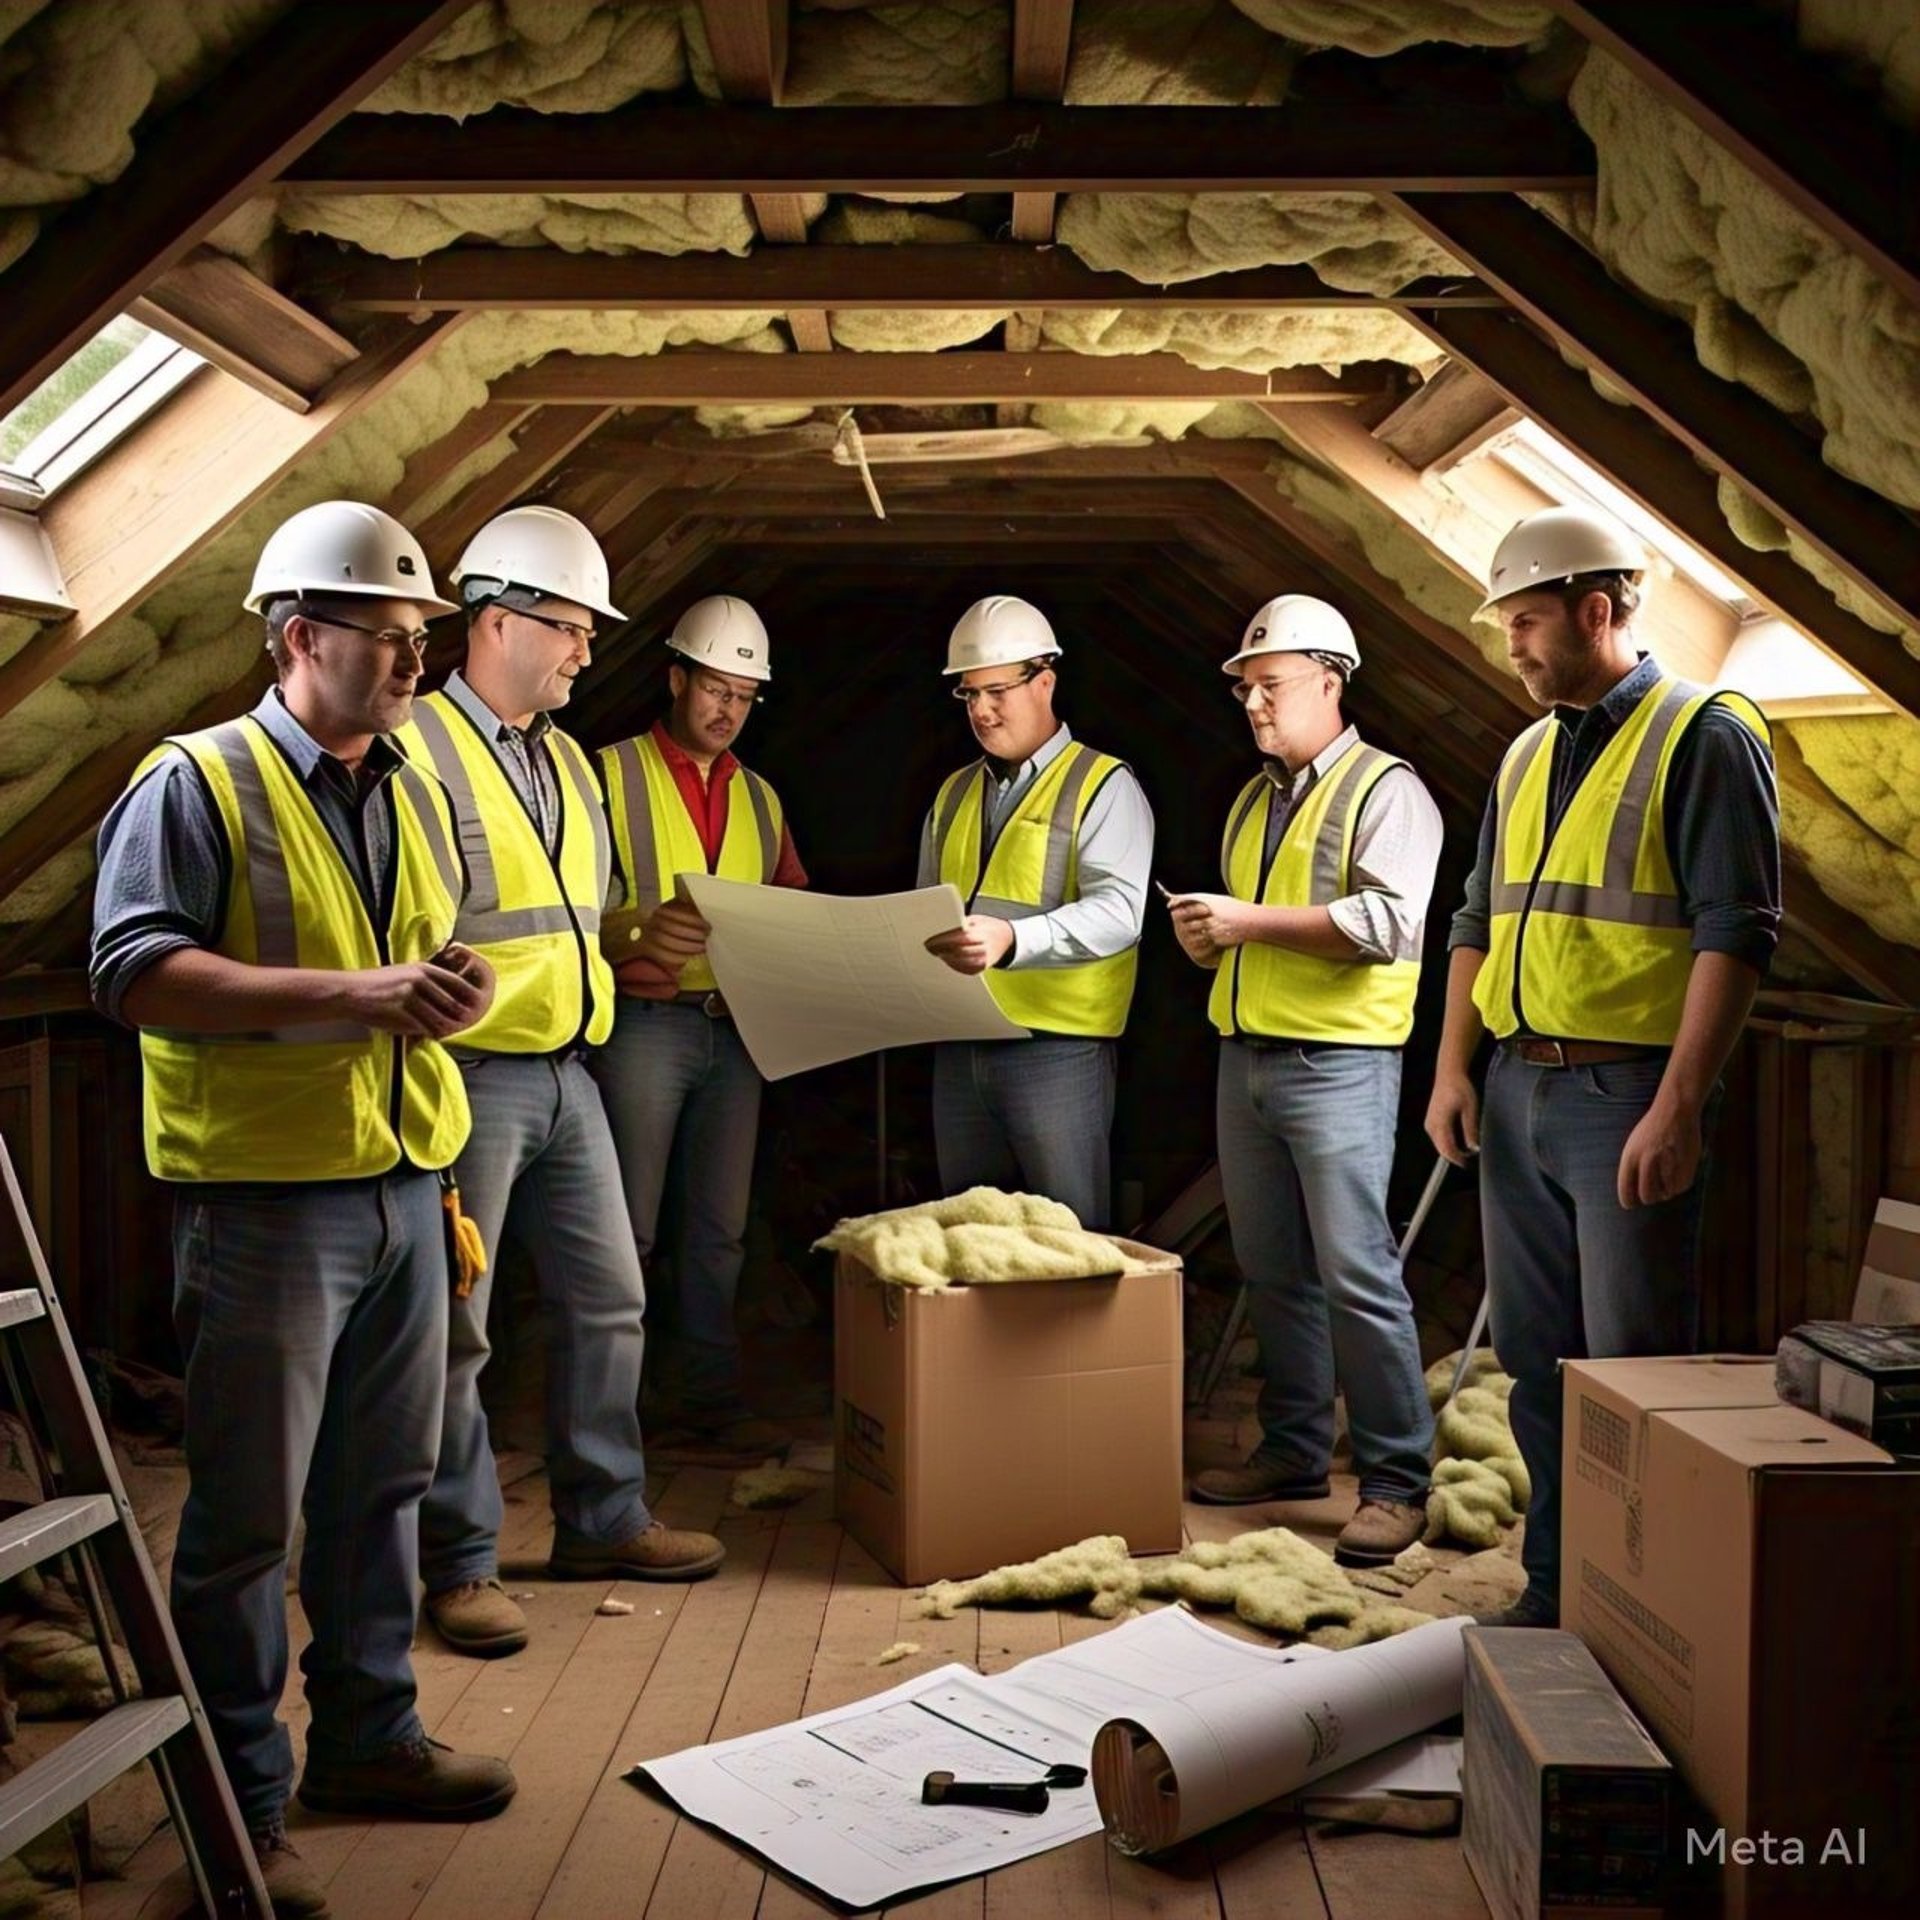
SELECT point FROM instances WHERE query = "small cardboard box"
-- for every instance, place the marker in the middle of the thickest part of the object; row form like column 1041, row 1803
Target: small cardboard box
column 980, row 1425
column 1749, row 1577
column 1889, row 1290
column 1565, row 1799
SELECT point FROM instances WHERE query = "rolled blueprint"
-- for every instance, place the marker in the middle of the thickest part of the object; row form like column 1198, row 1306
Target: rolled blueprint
column 1182, row 1766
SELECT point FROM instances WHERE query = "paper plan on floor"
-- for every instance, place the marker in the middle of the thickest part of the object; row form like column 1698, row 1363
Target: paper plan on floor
column 811, row 978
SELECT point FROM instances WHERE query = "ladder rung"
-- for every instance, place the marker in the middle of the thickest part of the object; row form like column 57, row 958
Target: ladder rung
column 42, row 1531
column 59, row 1781
column 24, row 1305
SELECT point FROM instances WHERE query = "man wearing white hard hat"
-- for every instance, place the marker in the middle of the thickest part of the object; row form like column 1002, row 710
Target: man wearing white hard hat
column 1328, row 862
column 681, row 1090
column 275, row 913
column 1621, row 913
column 1050, row 844
column 539, row 855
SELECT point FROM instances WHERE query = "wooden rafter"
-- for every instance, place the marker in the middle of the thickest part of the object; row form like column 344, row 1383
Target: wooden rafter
column 433, row 463
column 137, row 516
column 1342, row 138
column 193, row 168
column 1828, row 149
column 719, row 379
column 1637, row 455
column 1042, row 41
column 1563, row 288
column 1444, row 420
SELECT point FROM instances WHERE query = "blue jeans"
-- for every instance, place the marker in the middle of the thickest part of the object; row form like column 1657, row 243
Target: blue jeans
column 1571, row 1274
column 683, row 1097
column 1306, row 1149
column 540, row 1155
column 1030, row 1116
column 312, row 1320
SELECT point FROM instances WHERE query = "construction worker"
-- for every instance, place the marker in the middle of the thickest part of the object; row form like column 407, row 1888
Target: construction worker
column 1328, row 860
column 533, row 582
column 1621, row 913
column 1050, row 845
column 274, row 912
column 680, row 1088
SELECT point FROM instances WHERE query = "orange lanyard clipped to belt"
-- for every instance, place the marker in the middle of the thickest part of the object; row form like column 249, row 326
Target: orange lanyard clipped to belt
column 468, row 1252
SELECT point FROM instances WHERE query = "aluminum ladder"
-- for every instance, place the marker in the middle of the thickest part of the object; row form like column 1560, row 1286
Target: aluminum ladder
column 86, row 1515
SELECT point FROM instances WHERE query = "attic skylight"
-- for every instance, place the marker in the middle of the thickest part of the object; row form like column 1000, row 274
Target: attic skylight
column 78, row 412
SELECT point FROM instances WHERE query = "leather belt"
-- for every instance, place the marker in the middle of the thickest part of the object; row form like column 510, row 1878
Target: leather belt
column 710, row 1003
column 1578, row 1053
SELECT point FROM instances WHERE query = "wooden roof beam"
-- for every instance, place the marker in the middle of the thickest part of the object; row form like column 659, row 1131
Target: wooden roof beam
column 195, row 166
column 1042, row 42
column 1445, row 419
column 1826, row 148
column 1565, row 289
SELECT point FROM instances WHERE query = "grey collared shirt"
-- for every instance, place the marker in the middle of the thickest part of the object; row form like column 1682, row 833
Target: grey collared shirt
column 1114, row 860
column 1396, row 847
column 523, row 759
column 166, row 868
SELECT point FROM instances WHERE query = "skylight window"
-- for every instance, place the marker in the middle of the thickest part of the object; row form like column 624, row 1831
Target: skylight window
column 79, row 411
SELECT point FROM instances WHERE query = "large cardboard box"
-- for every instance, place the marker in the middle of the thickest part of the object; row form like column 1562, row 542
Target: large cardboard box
column 980, row 1425
column 1749, row 1577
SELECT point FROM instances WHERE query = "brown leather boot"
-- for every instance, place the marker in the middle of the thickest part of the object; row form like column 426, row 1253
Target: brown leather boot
column 418, row 1779
column 1255, row 1481
column 1380, row 1530
column 292, row 1885
column 659, row 1552
column 480, row 1618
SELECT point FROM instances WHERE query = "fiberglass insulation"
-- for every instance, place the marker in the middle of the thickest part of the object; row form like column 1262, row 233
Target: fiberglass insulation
column 976, row 1237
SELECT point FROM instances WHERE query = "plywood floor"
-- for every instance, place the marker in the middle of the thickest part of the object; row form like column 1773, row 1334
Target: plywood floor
column 790, row 1625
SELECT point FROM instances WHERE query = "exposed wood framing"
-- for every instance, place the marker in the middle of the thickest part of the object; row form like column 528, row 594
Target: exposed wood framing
column 1042, row 40
column 1558, row 284
column 1638, row 456
column 939, row 278
column 880, row 379
column 244, row 327
column 1828, row 149
column 432, row 464
column 193, row 168
column 1331, row 139
column 1447, row 418
column 137, row 516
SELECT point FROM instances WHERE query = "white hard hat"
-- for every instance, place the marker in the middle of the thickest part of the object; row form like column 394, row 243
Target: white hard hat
column 1296, row 623
column 996, row 632
column 540, row 548
column 1555, row 545
column 344, row 547
column 725, row 634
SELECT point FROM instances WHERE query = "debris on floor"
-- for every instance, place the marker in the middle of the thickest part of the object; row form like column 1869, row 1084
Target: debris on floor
column 615, row 1607
column 761, row 1487
column 900, row 1650
column 1480, row 1483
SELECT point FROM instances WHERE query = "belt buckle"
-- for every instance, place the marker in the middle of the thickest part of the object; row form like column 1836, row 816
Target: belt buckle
column 1545, row 1053
column 713, row 1006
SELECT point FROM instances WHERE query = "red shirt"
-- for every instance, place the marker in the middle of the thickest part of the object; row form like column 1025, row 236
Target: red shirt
column 706, row 799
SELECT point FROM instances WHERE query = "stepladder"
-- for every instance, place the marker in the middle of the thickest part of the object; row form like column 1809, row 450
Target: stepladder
column 84, row 1514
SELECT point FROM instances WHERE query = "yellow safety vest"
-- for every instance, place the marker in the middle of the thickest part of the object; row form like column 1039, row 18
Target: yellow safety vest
column 535, row 915
column 327, row 1100
column 657, row 841
column 1586, row 938
column 1274, row 992
column 1033, row 866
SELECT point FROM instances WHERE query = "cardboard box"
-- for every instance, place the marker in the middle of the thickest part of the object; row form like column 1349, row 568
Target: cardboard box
column 1863, row 1378
column 980, row 1425
column 1566, row 1801
column 1749, row 1577
column 1888, row 1293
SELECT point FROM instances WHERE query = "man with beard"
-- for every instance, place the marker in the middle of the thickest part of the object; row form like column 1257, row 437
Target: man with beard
column 274, row 912
column 1328, row 861
column 538, row 853
column 681, row 1091
column 1620, row 915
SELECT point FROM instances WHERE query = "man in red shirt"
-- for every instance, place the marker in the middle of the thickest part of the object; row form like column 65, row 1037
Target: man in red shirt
column 679, row 1087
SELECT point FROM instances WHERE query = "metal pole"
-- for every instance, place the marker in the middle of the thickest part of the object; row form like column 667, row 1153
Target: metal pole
column 880, row 1131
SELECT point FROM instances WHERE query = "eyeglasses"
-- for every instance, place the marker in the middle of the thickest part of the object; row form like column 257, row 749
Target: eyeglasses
column 998, row 691
column 414, row 638
column 726, row 697
column 1244, row 690
column 571, row 629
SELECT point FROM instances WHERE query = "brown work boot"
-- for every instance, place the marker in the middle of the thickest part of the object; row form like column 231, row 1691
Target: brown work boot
column 292, row 1887
column 419, row 1779
column 480, row 1618
column 1380, row 1530
column 659, row 1552
column 1247, row 1485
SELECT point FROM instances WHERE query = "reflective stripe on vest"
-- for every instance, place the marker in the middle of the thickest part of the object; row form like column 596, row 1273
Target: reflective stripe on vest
column 657, row 842
column 534, row 914
column 322, row 1100
column 1586, row 937
column 1272, row 991
column 1015, row 874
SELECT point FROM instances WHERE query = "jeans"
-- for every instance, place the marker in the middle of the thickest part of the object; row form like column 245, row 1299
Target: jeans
column 313, row 1321
column 683, row 1097
column 1306, row 1149
column 541, row 1157
column 1571, row 1274
column 1027, row 1115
